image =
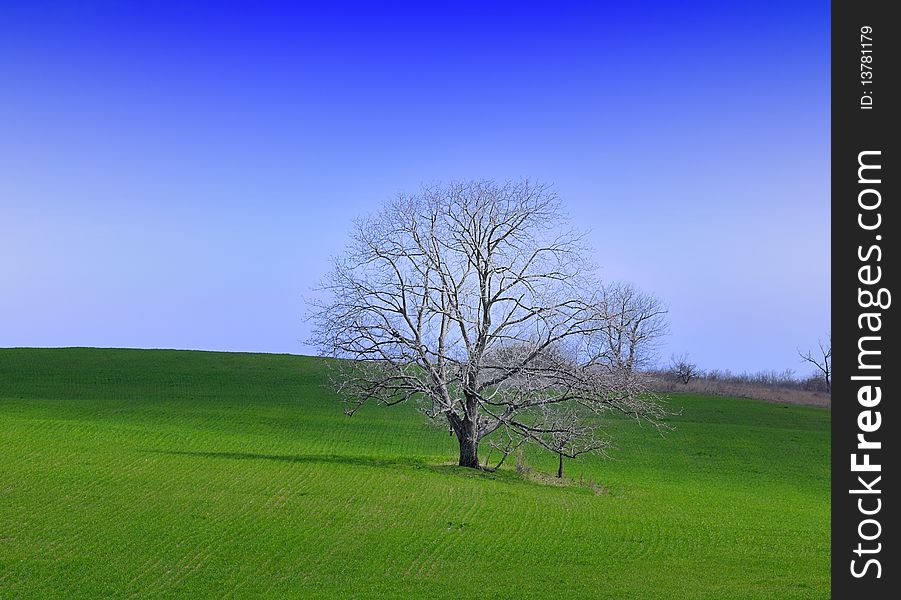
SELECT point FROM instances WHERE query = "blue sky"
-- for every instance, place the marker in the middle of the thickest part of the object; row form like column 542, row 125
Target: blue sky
column 177, row 174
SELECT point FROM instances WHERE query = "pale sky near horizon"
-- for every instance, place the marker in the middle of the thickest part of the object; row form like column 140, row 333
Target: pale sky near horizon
column 177, row 176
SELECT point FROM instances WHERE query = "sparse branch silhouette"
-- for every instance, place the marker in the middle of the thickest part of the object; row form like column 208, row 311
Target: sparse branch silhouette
column 821, row 359
column 683, row 369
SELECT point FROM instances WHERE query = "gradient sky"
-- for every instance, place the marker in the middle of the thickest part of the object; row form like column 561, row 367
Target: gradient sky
column 176, row 175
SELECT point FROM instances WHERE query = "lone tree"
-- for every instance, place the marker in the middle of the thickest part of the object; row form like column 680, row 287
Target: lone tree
column 475, row 302
column 822, row 360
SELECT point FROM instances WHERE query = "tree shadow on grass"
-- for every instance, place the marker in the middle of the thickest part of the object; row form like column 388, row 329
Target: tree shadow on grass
column 416, row 463
column 367, row 461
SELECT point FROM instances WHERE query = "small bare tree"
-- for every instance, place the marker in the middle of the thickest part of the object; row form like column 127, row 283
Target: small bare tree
column 683, row 369
column 472, row 300
column 572, row 435
column 822, row 360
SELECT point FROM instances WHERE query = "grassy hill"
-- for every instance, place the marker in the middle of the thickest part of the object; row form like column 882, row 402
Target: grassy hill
column 195, row 474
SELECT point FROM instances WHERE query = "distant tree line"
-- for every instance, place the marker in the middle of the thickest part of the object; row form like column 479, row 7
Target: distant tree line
column 681, row 370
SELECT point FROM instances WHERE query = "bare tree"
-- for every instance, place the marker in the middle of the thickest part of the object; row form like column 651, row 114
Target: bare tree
column 631, row 326
column 822, row 360
column 472, row 300
column 631, row 323
column 683, row 369
column 573, row 435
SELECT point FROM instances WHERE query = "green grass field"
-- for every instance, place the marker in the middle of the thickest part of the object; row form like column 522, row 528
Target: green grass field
column 194, row 474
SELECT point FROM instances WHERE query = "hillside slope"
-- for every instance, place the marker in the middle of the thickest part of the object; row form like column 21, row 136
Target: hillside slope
column 196, row 474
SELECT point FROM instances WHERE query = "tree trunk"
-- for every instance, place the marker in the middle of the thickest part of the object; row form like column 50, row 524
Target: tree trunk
column 469, row 452
column 469, row 445
column 467, row 434
column 560, row 467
